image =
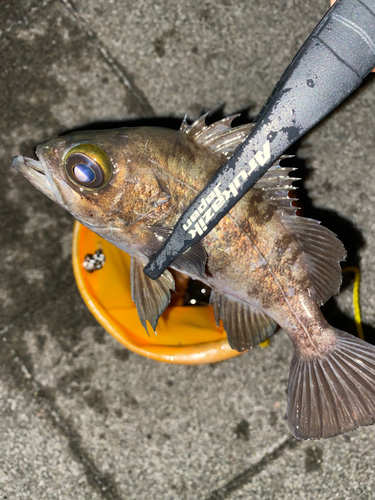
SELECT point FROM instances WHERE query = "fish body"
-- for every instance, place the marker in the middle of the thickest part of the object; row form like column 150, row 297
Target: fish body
column 266, row 265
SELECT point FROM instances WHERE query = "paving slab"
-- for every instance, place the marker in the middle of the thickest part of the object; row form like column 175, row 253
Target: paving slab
column 171, row 430
column 340, row 468
column 36, row 462
column 201, row 55
column 83, row 414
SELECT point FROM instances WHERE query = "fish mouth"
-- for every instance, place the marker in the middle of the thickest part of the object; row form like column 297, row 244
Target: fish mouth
column 37, row 173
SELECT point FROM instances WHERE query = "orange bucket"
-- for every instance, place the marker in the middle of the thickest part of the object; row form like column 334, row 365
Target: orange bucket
column 185, row 334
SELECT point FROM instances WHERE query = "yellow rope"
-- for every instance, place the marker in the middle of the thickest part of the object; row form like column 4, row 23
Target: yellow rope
column 265, row 343
column 356, row 307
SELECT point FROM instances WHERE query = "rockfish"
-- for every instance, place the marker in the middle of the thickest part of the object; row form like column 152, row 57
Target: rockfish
column 266, row 265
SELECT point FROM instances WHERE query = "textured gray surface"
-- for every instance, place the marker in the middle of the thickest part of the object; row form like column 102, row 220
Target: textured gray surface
column 81, row 417
column 36, row 461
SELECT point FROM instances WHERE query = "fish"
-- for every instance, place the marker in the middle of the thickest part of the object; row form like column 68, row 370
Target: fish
column 266, row 264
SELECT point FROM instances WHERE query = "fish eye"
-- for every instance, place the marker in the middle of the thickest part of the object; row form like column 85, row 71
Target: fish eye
column 88, row 166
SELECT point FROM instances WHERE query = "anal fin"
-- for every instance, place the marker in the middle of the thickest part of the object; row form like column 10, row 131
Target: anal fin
column 151, row 297
column 245, row 325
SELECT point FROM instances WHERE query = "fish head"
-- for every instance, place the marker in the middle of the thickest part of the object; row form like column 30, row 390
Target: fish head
column 78, row 172
column 92, row 175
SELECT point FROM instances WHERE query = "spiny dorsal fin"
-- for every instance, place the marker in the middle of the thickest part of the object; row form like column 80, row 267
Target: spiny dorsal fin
column 246, row 326
column 276, row 184
column 322, row 249
column 219, row 137
column 151, row 297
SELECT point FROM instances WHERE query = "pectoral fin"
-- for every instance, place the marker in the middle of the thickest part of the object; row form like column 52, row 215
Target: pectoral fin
column 151, row 297
column 192, row 261
column 246, row 326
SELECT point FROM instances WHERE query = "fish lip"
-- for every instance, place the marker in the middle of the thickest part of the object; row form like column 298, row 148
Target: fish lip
column 36, row 172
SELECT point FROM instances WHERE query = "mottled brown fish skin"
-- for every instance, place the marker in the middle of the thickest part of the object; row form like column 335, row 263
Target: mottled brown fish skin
column 269, row 265
column 251, row 254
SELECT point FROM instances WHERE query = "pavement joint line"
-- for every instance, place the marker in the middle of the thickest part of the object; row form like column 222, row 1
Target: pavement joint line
column 248, row 474
column 144, row 106
column 101, row 482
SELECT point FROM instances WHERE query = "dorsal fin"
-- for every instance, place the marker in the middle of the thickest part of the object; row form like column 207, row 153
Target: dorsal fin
column 276, row 184
column 219, row 137
column 246, row 326
column 322, row 249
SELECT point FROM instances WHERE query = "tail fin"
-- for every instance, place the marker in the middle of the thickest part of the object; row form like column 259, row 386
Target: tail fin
column 335, row 394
